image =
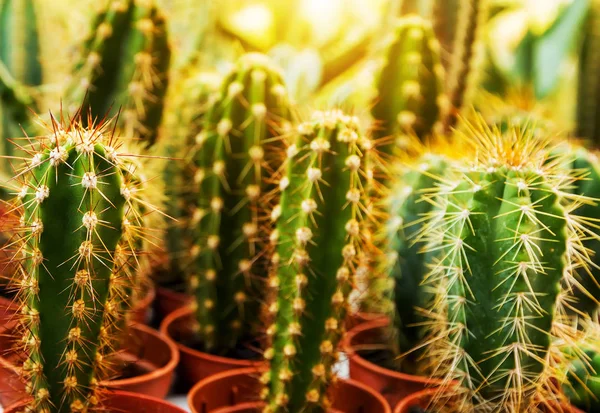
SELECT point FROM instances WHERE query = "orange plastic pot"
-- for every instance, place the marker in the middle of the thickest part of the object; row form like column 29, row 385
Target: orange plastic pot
column 196, row 365
column 147, row 351
column 237, row 391
column 393, row 385
column 168, row 301
column 423, row 398
column 141, row 313
column 116, row 401
column 356, row 319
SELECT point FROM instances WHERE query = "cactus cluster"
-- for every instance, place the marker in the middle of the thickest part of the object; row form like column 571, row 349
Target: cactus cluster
column 508, row 246
column 233, row 155
column 124, row 67
column 76, row 209
column 410, row 86
column 588, row 96
column 317, row 244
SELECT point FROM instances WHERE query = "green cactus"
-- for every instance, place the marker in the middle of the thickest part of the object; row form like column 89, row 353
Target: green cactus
column 318, row 243
column 588, row 96
column 124, row 67
column 76, row 208
column 583, row 390
column 409, row 202
column 508, row 241
column 232, row 159
column 192, row 100
column 459, row 25
column 19, row 56
column 410, row 89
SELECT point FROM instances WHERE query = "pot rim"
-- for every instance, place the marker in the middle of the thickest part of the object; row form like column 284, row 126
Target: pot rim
column 187, row 311
column 254, row 370
column 161, row 371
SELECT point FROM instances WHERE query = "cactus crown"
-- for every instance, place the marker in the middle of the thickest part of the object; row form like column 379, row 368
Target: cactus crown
column 410, row 85
column 76, row 209
column 318, row 243
column 233, row 156
column 507, row 245
column 124, row 66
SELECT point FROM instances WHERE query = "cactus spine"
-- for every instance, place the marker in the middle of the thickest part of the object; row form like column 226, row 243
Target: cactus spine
column 318, row 242
column 234, row 158
column 124, row 66
column 19, row 56
column 588, row 98
column 508, row 241
column 75, row 207
column 410, row 95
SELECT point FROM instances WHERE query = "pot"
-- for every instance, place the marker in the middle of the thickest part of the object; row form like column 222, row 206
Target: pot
column 358, row 318
column 238, row 390
column 197, row 365
column 153, row 356
column 142, row 311
column 168, row 301
column 117, row 401
column 393, row 385
column 422, row 398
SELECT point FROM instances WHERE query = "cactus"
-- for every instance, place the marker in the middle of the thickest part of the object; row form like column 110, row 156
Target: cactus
column 317, row 242
column 410, row 87
column 124, row 67
column 408, row 203
column 192, row 99
column 588, row 96
column 508, row 243
column 583, row 390
column 76, row 207
column 232, row 157
column 19, row 56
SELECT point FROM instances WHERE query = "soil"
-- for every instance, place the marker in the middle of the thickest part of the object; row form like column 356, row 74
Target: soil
column 246, row 349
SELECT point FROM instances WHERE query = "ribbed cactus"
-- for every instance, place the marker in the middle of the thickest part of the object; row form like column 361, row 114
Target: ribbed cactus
column 588, row 96
column 233, row 156
column 318, row 242
column 75, row 205
column 508, row 240
column 465, row 30
column 583, row 389
column 191, row 101
column 124, row 67
column 409, row 202
column 19, row 55
column 410, row 87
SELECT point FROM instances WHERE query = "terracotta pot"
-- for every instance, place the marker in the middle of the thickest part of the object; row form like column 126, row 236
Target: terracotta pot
column 355, row 319
column 237, row 391
column 152, row 353
column 141, row 313
column 393, row 385
column 422, row 398
column 168, row 301
column 146, row 351
column 124, row 402
column 196, row 365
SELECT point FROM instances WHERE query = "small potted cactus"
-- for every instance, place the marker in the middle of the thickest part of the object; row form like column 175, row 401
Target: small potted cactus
column 316, row 246
column 76, row 207
column 232, row 155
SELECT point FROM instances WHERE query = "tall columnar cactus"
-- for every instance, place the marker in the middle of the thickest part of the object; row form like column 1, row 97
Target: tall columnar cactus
column 235, row 154
column 459, row 26
column 410, row 89
column 588, row 97
column 409, row 202
column 508, row 241
column 192, row 98
column 318, row 242
column 124, row 67
column 19, row 55
column 75, row 205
